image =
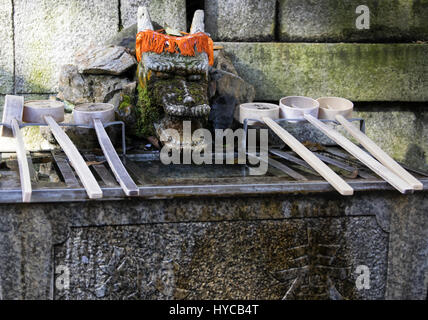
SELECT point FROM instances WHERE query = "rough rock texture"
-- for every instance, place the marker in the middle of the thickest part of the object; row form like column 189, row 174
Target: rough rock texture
column 334, row 21
column 198, row 22
column 360, row 72
column 233, row 85
column 80, row 88
column 240, row 20
column 112, row 60
column 227, row 80
column 33, row 138
column 2, row 97
column 6, row 52
column 162, row 12
column 222, row 260
column 126, row 109
column 125, row 38
column 222, row 62
column 408, row 243
column 226, row 90
column 48, row 32
column 222, row 111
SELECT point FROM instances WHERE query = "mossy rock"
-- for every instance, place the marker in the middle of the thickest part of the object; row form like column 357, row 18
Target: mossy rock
column 148, row 113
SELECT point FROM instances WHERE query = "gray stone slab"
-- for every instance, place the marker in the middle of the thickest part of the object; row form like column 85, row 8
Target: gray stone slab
column 225, row 260
column 240, row 20
column 6, row 52
column 1, row 104
column 49, row 32
column 408, row 253
column 334, row 21
column 79, row 88
column 424, row 135
column 359, row 72
column 112, row 60
column 170, row 12
column 21, row 280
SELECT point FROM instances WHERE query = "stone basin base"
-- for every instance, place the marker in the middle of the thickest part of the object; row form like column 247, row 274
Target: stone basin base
column 311, row 246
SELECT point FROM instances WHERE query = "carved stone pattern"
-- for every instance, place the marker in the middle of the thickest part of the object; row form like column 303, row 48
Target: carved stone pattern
column 291, row 259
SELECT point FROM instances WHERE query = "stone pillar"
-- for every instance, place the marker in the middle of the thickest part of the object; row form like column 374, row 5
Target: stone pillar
column 408, row 250
column 25, row 253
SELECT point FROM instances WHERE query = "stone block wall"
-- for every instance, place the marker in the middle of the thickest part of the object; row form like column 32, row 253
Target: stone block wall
column 308, row 20
column 39, row 36
column 162, row 12
column 360, row 72
column 282, row 47
column 6, row 52
column 314, row 48
column 47, row 33
column 315, row 21
column 242, row 20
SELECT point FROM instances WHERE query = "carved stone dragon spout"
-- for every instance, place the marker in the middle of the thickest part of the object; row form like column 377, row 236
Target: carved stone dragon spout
column 173, row 79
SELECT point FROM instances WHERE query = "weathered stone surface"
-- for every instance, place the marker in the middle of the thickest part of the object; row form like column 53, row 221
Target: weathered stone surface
column 162, row 12
column 408, row 243
column 35, row 141
column 226, row 90
column 334, row 20
column 232, row 85
column 127, row 110
column 112, row 60
column 424, row 137
column 241, row 20
column 79, row 88
column 38, row 240
column 223, row 62
column 1, row 104
column 206, row 247
column 49, row 32
column 360, row 72
column 198, row 22
column 222, row 260
column 399, row 130
column 6, row 52
column 125, row 38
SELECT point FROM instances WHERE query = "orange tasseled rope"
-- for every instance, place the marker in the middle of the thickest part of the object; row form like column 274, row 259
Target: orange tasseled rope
column 152, row 41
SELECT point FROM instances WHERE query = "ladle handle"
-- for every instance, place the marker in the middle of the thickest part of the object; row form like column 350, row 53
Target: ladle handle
column 24, row 170
column 337, row 182
column 117, row 167
column 88, row 180
column 379, row 154
column 363, row 156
